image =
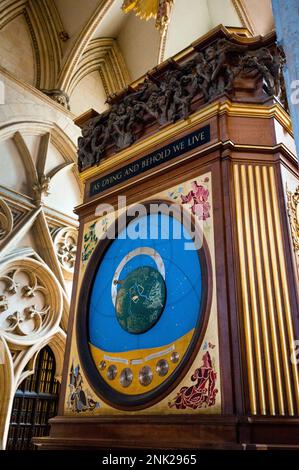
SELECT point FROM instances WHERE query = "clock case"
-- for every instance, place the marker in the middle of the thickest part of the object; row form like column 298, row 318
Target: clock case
column 250, row 131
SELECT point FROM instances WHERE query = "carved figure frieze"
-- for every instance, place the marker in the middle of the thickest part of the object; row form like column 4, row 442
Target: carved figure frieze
column 267, row 65
column 167, row 97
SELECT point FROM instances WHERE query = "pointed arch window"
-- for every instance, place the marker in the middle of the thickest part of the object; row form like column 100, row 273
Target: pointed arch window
column 35, row 402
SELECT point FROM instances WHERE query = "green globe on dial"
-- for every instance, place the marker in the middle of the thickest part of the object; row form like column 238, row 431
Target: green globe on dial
column 140, row 299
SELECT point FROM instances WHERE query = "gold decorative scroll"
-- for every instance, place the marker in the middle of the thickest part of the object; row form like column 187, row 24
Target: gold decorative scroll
column 293, row 210
column 293, row 207
column 146, row 9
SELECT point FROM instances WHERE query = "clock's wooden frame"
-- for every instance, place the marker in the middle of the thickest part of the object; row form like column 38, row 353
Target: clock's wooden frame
column 251, row 135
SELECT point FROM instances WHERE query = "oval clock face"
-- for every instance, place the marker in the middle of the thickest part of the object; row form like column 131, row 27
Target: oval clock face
column 141, row 310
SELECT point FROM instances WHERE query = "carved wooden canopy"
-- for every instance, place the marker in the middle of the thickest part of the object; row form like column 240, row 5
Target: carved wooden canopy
column 244, row 69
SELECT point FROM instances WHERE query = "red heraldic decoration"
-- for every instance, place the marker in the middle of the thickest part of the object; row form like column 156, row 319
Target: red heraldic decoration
column 198, row 196
column 203, row 394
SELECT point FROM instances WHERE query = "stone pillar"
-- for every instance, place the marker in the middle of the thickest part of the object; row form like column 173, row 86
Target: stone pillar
column 286, row 15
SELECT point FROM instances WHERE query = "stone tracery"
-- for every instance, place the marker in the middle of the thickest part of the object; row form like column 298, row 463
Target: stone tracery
column 29, row 304
column 6, row 220
column 65, row 242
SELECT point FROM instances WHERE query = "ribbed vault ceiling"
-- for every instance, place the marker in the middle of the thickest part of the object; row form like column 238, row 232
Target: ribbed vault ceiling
column 73, row 38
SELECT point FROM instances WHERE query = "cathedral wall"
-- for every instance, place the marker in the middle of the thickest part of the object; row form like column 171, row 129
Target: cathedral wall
column 16, row 51
column 139, row 43
column 89, row 93
column 39, row 187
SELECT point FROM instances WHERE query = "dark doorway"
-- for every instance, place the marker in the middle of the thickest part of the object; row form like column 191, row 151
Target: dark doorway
column 34, row 404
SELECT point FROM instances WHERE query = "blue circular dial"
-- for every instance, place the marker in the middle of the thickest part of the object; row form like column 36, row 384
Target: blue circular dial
column 180, row 268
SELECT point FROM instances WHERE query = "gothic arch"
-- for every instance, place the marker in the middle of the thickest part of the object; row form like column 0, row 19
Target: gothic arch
column 81, row 43
column 38, row 376
column 6, row 388
column 34, row 125
column 43, row 25
column 19, row 357
column 104, row 55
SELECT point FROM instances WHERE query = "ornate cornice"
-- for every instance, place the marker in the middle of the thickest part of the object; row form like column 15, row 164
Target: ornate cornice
column 243, row 15
column 219, row 108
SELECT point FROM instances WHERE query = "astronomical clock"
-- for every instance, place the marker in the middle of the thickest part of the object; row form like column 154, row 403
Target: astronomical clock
column 184, row 311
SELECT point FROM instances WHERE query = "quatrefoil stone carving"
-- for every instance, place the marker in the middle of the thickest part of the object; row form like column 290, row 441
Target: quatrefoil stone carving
column 30, row 301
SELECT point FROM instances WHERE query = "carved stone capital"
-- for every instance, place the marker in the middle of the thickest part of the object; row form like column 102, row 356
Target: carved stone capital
column 58, row 95
column 42, row 188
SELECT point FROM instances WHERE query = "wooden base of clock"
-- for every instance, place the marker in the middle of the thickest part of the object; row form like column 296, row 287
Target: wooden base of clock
column 171, row 432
